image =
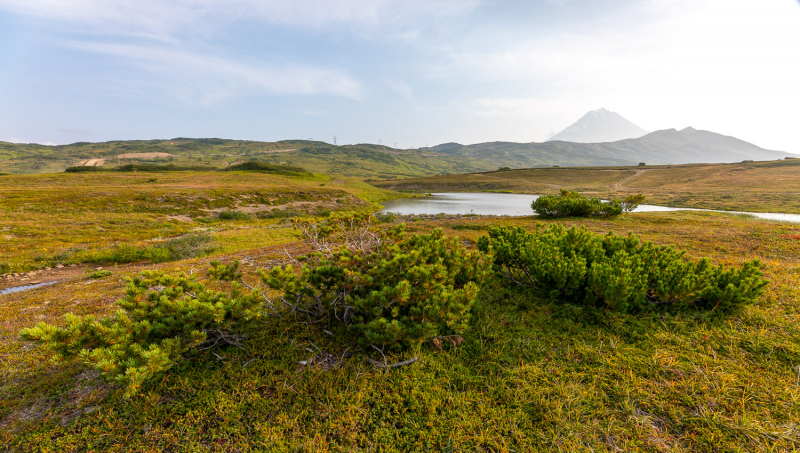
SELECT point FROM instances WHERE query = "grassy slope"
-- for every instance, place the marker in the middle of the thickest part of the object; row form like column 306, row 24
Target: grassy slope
column 73, row 217
column 530, row 376
column 356, row 161
column 758, row 186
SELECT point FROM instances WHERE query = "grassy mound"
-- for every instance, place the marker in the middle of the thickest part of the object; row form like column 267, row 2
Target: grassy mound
column 268, row 168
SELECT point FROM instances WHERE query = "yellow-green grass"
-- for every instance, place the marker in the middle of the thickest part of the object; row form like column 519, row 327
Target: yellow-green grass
column 532, row 375
column 752, row 186
column 77, row 217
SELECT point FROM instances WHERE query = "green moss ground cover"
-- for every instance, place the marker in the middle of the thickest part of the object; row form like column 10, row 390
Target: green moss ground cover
column 530, row 375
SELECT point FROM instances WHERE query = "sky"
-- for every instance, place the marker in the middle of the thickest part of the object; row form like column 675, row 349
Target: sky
column 405, row 72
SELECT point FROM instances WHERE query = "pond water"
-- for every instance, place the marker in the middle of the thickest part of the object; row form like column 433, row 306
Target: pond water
column 517, row 205
column 23, row 288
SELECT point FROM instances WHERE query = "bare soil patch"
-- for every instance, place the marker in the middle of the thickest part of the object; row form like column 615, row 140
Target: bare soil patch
column 91, row 163
column 180, row 218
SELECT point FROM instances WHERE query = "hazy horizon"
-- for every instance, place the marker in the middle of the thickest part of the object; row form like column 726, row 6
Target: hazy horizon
column 414, row 73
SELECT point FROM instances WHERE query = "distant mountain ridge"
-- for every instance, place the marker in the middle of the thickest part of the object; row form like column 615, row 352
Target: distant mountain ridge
column 668, row 146
column 599, row 126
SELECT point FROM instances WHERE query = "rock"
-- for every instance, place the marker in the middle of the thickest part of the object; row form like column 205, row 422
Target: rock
column 59, row 266
column 72, row 265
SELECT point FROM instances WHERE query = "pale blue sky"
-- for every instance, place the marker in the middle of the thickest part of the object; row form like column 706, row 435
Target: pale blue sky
column 414, row 72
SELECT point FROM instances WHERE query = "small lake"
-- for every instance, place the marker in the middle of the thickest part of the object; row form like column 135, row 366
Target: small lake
column 517, row 205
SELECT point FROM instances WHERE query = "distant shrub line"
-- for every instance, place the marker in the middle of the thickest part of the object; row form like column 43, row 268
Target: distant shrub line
column 377, row 288
column 183, row 247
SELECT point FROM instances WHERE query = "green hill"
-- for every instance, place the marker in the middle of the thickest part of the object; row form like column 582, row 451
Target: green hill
column 351, row 160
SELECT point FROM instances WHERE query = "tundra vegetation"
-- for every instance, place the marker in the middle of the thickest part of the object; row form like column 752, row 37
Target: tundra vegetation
column 340, row 331
column 748, row 186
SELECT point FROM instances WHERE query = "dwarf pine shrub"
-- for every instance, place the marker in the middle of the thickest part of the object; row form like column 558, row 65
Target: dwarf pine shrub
column 382, row 286
column 620, row 273
column 160, row 319
column 573, row 204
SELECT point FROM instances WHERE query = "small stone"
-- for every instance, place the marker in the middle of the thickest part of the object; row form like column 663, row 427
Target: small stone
column 72, row 265
column 47, row 268
column 59, row 266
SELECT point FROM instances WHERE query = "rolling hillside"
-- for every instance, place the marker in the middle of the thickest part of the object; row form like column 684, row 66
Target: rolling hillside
column 373, row 161
column 319, row 157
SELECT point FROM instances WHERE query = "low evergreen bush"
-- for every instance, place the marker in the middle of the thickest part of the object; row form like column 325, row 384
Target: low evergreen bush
column 190, row 245
column 384, row 287
column 100, row 274
column 614, row 272
column 160, row 319
column 263, row 167
column 232, row 214
column 573, row 204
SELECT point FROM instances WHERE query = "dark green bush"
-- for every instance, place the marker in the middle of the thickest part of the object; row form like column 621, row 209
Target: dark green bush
column 614, row 272
column 235, row 215
column 190, row 245
column 149, row 168
column 387, row 288
column 160, row 318
column 83, row 169
column 283, row 214
column 226, row 272
column 268, row 168
column 100, row 274
column 573, row 204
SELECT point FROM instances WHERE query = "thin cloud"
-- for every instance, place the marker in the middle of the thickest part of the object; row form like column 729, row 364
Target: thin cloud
column 206, row 79
column 166, row 19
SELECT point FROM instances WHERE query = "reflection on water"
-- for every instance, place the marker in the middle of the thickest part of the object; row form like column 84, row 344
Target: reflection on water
column 464, row 203
column 516, row 205
column 23, row 288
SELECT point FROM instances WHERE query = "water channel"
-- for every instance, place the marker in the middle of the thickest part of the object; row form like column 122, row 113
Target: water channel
column 23, row 288
column 517, row 205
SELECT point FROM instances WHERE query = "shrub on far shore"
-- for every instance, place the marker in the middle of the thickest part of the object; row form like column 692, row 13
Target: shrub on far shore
column 572, row 204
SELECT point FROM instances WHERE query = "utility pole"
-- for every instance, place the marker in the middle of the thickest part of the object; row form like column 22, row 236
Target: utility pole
column 334, row 140
column 395, row 145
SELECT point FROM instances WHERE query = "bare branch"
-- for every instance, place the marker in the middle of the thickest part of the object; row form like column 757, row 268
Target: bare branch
column 392, row 365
